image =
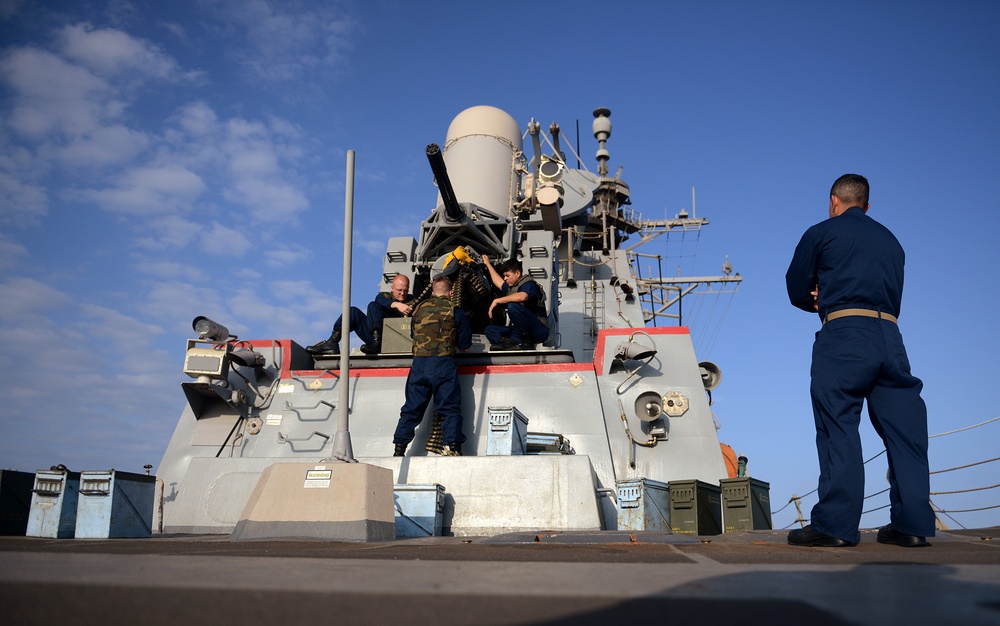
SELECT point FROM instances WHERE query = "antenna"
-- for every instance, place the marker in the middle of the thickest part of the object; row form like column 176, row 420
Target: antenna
column 694, row 213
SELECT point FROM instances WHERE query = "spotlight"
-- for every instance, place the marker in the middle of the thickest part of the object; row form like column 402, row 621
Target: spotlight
column 206, row 364
column 209, row 329
column 246, row 358
column 628, row 291
column 633, row 352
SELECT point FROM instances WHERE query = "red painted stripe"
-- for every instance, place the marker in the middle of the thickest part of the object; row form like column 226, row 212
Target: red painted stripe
column 465, row 370
column 603, row 335
column 400, row 372
column 286, row 351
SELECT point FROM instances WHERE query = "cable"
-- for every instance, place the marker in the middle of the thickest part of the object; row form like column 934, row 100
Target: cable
column 951, row 432
column 952, row 469
column 941, row 493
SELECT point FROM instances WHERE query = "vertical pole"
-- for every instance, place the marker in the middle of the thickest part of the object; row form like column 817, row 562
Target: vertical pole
column 342, row 450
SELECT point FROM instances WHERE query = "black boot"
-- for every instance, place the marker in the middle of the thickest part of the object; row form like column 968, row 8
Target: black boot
column 375, row 346
column 327, row 346
column 400, row 450
column 452, row 449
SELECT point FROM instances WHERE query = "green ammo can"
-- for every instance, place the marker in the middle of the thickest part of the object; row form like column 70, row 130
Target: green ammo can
column 695, row 508
column 746, row 504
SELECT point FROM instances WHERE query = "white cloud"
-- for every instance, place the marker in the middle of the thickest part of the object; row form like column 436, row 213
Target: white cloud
column 283, row 256
column 268, row 201
column 177, row 302
column 198, row 120
column 306, row 297
column 168, row 232
column 222, row 240
column 21, row 203
column 82, row 372
column 172, row 270
column 11, row 252
column 281, row 41
column 150, row 190
column 51, row 94
column 108, row 145
column 258, row 177
column 25, row 298
column 105, row 324
column 111, row 52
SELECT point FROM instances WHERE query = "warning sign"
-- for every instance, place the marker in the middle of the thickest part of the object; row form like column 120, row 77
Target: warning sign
column 318, row 478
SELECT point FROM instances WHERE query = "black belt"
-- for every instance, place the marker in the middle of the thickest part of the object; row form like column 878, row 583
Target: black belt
column 859, row 313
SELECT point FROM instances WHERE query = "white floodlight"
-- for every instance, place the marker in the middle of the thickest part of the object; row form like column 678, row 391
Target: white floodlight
column 210, row 330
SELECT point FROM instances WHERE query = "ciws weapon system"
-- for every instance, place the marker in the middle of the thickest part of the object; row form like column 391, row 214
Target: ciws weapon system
column 552, row 431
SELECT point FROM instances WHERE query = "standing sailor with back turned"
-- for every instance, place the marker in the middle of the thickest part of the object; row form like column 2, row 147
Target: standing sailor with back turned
column 849, row 268
column 438, row 328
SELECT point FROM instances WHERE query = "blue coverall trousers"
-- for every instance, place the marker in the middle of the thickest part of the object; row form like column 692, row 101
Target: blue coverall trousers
column 363, row 324
column 359, row 324
column 431, row 377
column 525, row 326
column 857, row 359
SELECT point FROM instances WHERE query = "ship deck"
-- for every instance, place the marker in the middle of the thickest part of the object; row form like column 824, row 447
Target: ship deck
column 524, row 578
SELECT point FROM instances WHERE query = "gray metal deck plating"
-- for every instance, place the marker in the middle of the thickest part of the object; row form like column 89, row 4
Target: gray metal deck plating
column 524, row 578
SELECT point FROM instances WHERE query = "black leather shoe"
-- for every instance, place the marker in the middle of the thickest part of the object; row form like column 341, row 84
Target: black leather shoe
column 324, row 347
column 505, row 343
column 327, row 346
column 888, row 534
column 375, row 347
column 809, row 536
column 399, row 450
column 525, row 346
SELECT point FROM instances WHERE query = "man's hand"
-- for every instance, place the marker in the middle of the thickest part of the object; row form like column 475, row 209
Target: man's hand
column 815, row 294
column 405, row 309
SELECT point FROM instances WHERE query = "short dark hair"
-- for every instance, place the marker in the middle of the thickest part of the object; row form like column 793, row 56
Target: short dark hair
column 512, row 265
column 852, row 189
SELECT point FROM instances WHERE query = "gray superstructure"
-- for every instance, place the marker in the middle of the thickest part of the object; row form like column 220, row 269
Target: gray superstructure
column 606, row 398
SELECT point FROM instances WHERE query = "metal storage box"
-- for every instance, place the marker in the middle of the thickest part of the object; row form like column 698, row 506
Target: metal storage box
column 546, row 443
column 643, row 504
column 53, row 504
column 115, row 504
column 508, row 433
column 695, row 508
column 15, row 501
column 746, row 504
column 419, row 510
column 396, row 335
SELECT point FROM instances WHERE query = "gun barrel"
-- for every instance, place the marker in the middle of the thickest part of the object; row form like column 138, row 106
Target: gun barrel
column 453, row 212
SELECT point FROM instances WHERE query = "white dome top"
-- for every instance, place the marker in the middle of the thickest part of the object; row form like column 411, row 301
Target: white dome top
column 484, row 120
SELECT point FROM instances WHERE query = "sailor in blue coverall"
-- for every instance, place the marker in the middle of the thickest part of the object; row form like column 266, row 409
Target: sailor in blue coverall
column 438, row 329
column 368, row 327
column 524, row 301
column 849, row 268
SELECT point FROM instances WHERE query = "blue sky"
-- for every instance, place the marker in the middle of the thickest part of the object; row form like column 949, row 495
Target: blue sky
column 162, row 160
